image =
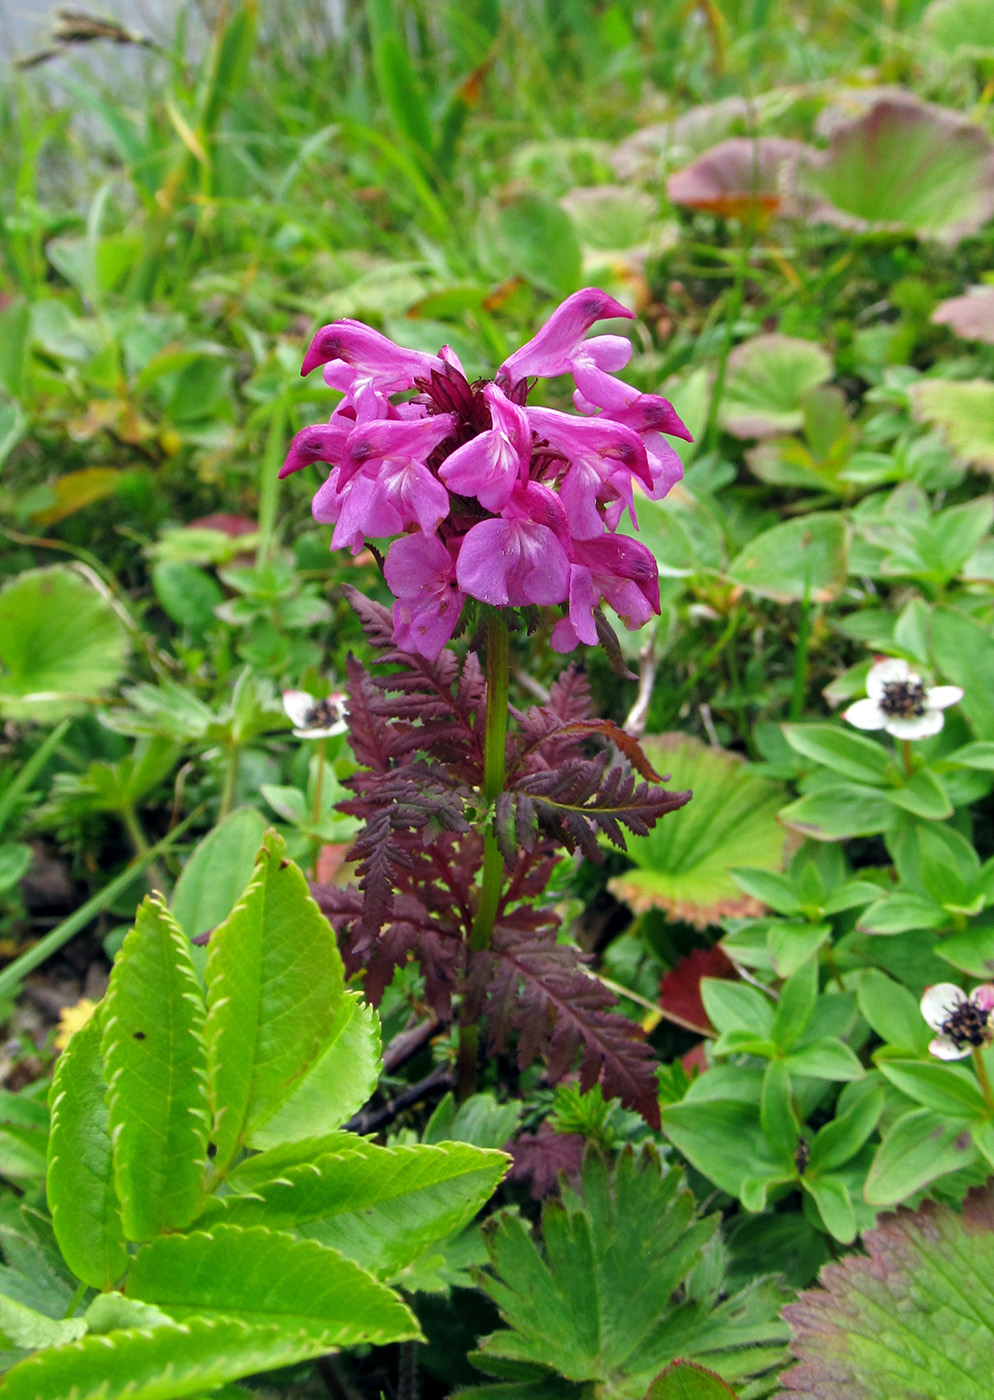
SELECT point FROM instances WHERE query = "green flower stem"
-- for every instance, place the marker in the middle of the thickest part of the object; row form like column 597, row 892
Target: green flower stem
column 321, row 749
column 154, row 873
column 983, row 1078
column 230, row 780
column 494, row 739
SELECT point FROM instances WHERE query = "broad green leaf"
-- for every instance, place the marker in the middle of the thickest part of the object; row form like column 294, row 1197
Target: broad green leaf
column 61, row 645
column 963, row 410
column 86, row 1215
column 723, row 1140
column 791, row 944
column 34, row 1272
column 339, row 1082
column 536, row 239
column 111, row 1311
column 839, row 1141
column 798, row 997
column 825, row 1058
column 892, row 1011
column 852, row 755
column 911, row 1318
column 971, row 952
column 21, row 1326
column 685, row 1380
column 260, row 1276
column 964, row 653
column 274, row 983
column 839, row 812
column 904, row 164
column 804, row 558
column 897, row 913
column 160, row 1363
column 737, row 1006
column 155, row 1062
column 217, row 871
column 381, row 1206
column 962, row 29
column 922, row 795
column 831, row 1196
column 776, row 1112
column 946, row 1088
column 770, row 888
column 767, row 380
column 684, row 865
column 918, row 1148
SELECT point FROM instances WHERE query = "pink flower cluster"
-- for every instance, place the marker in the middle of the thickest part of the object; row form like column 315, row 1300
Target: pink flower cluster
column 488, row 497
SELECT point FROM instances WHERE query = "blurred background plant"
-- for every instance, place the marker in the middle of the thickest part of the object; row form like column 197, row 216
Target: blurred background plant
column 798, row 203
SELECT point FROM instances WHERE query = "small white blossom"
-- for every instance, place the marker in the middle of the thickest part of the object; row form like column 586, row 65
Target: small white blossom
column 897, row 700
column 963, row 1022
column 314, row 718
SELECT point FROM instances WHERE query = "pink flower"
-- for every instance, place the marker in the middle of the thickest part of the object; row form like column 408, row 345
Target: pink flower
column 560, row 348
column 520, row 557
column 602, row 458
column 963, row 1022
column 488, row 466
column 420, row 574
column 369, row 354
column 323, row 442
column 613, row 569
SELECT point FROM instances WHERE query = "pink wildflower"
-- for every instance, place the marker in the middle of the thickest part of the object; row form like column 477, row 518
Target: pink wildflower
column 491, row 499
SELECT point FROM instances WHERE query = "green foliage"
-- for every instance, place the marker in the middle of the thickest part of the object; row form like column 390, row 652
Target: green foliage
column 573, row 1311
column 245, row 1261
column 913, row 1319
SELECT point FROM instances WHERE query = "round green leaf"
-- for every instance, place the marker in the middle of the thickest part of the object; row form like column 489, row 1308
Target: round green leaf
column 768, row 378
column 683, row 866
column 963, row 410
column 61, row 645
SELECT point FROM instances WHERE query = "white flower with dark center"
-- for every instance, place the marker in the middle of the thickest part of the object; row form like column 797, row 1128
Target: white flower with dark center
column 898, row 700
column 314, row 718
column 963, row 1022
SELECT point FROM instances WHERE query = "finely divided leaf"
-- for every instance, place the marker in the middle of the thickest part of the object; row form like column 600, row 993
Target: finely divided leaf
column 155, row 1063
column 274, row 982
column 86, row 1215
column 264, row 1276
column 381, row 1206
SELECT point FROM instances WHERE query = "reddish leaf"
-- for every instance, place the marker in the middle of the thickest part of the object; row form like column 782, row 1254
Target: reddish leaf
column 541, row 1157
column 739, row 178
column 680, row 988
column 230, row 525
column 971, row 316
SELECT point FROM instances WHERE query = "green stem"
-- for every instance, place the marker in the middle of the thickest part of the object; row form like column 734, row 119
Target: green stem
column 139, row 841
column 322, row 745
column 494, row 740
column 982, row 1076
column 709, row 438
column 909, row 767
column 230, row 781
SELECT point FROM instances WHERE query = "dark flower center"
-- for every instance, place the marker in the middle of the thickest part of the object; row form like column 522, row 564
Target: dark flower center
column 903, row 698
column 323, row 714
column 968, row 1024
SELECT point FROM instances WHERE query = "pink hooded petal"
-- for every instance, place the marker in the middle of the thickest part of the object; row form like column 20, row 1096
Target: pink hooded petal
column 606, row 352
column 514, row 562
column 356, row 504
column 599, row 440
column 651, row 413
column 327, row 503
column 398, row 438
column 664, row 465
column 551, row 350
column 324, row 442
column 535, row 502
column 370, row 353
column 489, row 465
column 596, row 386
column 564, row 638
column 983, row 996
column 579, row 492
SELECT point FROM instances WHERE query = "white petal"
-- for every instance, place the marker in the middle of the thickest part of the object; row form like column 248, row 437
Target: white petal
column 917, row 727
column 298, row 705
column 940, row 697
column 944, row 1049
column 865, row 714
column 940, row 1001
column 885, row 672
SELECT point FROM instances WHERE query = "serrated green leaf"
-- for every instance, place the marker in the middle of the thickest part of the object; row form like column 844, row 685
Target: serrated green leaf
column 266, row 1276
column 160, row 1363
column 110, row 1312
column 274, row 983
column 339, row 1082
column 685, row 1380
column 155, row 1062
column 21, row 1326
column 86, row 1215
column 911, row 1319
column 217, row 871
column 381, row 1206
